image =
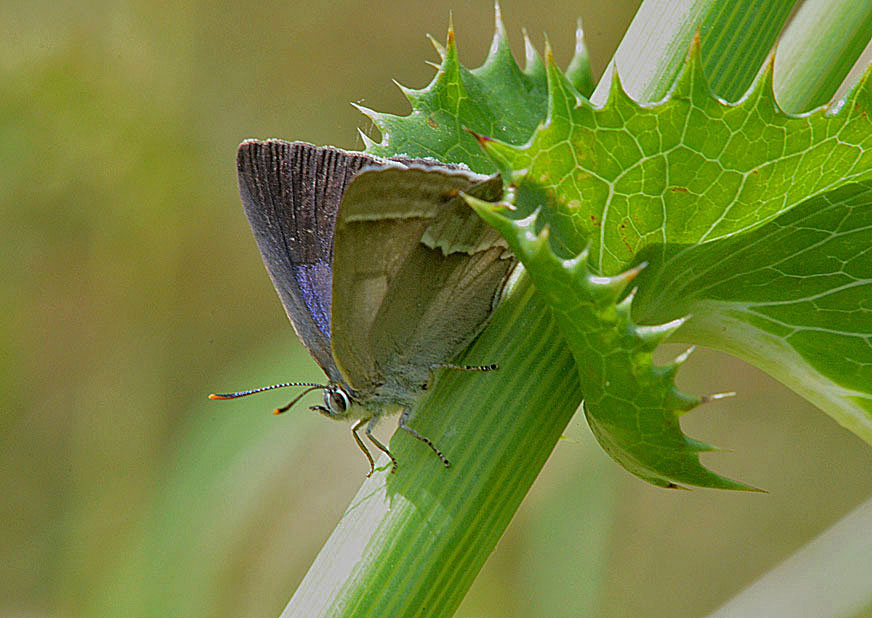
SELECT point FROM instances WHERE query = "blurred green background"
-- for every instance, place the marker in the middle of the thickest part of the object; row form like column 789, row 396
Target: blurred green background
column 132, row 288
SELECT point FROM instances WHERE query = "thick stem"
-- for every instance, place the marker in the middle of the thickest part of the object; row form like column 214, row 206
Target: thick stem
column 411, row 543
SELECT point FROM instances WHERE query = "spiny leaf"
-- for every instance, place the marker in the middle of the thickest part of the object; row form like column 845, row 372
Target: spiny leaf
column 631, row 405
column 688, row 169
column 705, row 191
column 497, row 99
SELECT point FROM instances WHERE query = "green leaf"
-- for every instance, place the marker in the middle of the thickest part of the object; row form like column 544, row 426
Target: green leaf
column 631, row 406
column 689, row 184
column 690, row 169
column 794, row 297
column 498, row 98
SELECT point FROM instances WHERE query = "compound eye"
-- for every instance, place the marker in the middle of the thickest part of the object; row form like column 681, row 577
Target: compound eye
column 337, row 401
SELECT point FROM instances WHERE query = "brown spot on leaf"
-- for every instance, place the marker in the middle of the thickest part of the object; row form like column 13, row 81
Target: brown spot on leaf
column 624, row 240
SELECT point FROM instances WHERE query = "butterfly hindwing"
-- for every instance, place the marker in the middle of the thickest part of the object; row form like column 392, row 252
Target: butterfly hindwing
column 416, row 275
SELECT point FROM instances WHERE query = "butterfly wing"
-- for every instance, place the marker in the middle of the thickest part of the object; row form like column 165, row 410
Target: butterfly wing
column 416, row 274
column 291, row 193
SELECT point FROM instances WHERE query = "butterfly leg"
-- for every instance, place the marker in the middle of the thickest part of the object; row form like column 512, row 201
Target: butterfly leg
column 491, row 367
column 402, row 425
column 362, row 446
column 378, row 444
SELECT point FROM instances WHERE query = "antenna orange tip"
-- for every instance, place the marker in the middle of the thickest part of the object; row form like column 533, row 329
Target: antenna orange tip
column 217, row 396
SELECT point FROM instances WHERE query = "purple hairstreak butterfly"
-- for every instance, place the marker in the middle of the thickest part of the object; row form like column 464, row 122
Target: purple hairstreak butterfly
column 384, row 271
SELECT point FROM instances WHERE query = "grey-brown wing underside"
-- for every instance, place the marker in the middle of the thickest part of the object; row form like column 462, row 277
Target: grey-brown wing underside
column 291, row 193
column 416, row 273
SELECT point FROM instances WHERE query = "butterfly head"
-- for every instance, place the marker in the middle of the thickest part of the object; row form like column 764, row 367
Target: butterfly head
column 337, row 402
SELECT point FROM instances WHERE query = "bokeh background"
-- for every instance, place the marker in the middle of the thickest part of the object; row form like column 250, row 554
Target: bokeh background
column 131, row 287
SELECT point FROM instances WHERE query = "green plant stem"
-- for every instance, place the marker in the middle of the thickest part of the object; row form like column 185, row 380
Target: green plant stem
column 818, row 49
column 735, row 38
column 411, row 543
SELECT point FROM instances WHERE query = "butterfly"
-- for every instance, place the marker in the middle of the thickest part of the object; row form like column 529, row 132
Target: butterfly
column 383, row 270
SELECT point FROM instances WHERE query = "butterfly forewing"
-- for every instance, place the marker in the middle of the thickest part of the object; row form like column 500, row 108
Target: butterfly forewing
column 291, row 193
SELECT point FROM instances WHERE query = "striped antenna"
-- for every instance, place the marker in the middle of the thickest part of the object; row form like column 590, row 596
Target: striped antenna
column 265, row 388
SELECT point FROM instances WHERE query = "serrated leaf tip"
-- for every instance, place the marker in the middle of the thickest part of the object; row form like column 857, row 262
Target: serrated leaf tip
column 440, row 49
column 481, row 139
column 368, row 142
column 531, row 56
column 543, row 236
column 579, row 265
column 584, row 254
column 499, row 47
column 369, row 113
column 717, row 396
column 497, row 208
column 410, row 93
column 631, row 273
column 549, row 52
column 616, row 88
column 701, row 447
column 680, row 403
column 450, row 43
column 653, row 334
column 499, row 26
column 673, row 325
column 579, row 37
column 529, row 50
column 681, row 358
